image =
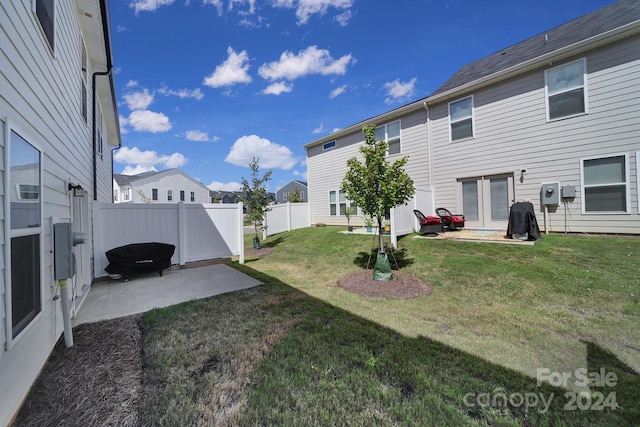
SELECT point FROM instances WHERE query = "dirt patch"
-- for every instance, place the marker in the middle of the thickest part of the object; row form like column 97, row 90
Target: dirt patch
column 98, row 381
column 401, row 286
column 258, row 253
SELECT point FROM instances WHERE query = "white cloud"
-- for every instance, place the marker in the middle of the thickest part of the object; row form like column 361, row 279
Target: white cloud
column 216, row 3
column 398, row 91
column 338, row 91
column 137, row 169
column 271, row 155
column 277, row 88
column 306, row 8
column 250, row 11
column 319, row 129
column 309, row 61
column 199, row 136
column 123, row 124
column 148, row 5
column 224, row 186
column 132, row 83
column 182, row 93
column 138, row 100
column 233, row 70
column 344, row 18
column 149, row 121
column 135, row 159
column 302, row 174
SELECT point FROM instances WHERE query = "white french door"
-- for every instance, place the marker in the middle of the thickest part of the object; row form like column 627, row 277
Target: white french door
column 486, row 200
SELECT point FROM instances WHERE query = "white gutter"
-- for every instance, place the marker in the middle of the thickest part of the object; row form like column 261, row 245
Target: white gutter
column 429, row 155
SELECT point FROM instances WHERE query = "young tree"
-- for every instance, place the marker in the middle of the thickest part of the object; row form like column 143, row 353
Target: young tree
column 295, row 195
column 254, row 196
column 375, row 184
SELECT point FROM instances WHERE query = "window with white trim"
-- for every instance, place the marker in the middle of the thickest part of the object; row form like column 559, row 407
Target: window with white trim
column 154, row 194
column 461, row 119
column 605, row 184
column 45, row 11
column 169, row 195
column 390, row 133
column 126, row 194
column 193, row 196
column 566, row 90
column 182, row 195
column 338, row 203
column 115, row 195
column 26, row 287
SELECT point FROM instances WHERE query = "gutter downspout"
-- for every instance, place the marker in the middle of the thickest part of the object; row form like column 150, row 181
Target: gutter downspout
column 429, row 155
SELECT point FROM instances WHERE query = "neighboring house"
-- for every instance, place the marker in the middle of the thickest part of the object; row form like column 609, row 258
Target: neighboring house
column 559, row 110
column 58, row 120
column 168, row 186
column 295, row 191
column 232, row 196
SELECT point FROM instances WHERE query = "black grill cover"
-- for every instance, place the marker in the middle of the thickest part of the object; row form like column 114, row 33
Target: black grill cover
column 139, row 258
column 522, row 219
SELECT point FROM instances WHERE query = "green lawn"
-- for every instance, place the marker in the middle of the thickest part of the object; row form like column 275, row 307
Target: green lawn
column 301, row 351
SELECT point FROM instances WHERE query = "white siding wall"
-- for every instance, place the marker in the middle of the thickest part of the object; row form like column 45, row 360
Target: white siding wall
column 326, row 169
column 41, row 101
column 170, row 181
column 511, row 133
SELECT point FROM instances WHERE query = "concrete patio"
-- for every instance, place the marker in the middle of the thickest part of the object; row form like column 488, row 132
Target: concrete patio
column 110, row 299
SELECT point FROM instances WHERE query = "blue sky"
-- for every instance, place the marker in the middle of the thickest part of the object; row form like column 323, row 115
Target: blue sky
column 206, row 85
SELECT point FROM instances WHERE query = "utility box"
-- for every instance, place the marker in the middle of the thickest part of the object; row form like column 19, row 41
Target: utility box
column 550, row 194
column 568, row 191
column 64, row 240
column 63, row 264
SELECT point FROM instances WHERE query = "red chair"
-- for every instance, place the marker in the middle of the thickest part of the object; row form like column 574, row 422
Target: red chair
column 449, row 220
column 429, row 224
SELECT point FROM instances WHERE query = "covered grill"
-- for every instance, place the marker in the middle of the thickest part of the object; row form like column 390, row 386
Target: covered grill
column 139, row 258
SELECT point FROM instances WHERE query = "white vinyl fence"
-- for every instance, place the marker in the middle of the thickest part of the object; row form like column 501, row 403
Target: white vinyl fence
column 198, row 231
column 286, row 217
column 404, row 221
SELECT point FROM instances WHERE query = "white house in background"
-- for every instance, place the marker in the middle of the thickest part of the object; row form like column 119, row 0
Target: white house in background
column 167, row 186
column 58, row 120
column 557, row 111
column 293, row 189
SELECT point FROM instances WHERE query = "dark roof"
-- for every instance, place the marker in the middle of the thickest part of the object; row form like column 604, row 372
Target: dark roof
column 128, row 179
column 602, row 20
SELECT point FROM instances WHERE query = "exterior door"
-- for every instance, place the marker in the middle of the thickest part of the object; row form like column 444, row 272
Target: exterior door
column 486, row 200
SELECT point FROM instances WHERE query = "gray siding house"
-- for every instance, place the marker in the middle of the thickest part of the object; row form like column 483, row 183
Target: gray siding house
column 558, row 111
column 168, row 186
column 58, row 122
column 293, row 189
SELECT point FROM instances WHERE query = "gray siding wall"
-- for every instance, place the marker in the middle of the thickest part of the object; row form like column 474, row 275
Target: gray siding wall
column 511, row 133
column 42, row 103
column 326, row 169
column 291, row 186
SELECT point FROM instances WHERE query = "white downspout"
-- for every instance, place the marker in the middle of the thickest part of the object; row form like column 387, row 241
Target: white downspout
column 429, row 159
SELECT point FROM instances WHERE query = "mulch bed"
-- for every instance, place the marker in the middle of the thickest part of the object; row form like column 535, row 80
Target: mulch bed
column 401, row 286
column 98, row 381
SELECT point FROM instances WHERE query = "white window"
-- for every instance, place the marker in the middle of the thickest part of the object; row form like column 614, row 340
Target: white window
column 390, row 133
column 461, row 119
column 126, row 194
column 115, row 195
column 338, row 203
column 605, row 184
column 154, row 194
column 285, row 195
column 193, row 196
column 329, row 145
column 45, row 12
column 24, row 299
column 182, row 195
column 566, row 90
column 169, row 195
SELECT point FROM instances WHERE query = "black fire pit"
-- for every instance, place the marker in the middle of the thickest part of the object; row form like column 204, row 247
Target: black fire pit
column 139, row 258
